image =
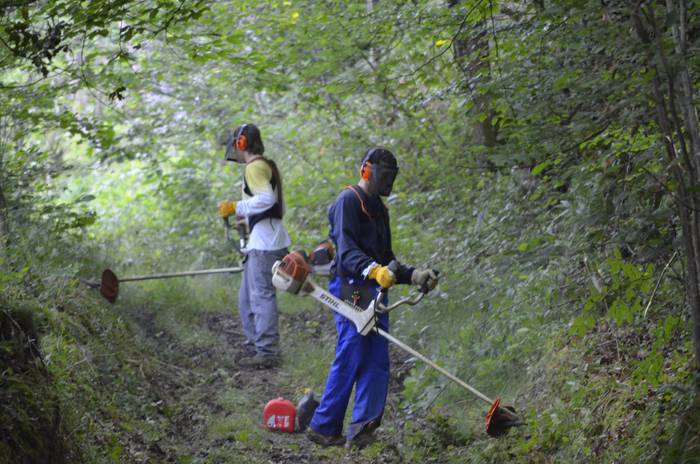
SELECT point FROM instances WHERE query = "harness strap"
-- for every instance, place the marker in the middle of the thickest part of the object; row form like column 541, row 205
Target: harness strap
column 359, row 197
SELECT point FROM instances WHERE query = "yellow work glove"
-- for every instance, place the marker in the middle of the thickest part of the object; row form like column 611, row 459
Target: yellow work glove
column 383, row 275
column 227, row 208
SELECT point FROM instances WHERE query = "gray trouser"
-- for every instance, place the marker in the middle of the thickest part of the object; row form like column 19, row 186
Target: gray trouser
column 257, row 301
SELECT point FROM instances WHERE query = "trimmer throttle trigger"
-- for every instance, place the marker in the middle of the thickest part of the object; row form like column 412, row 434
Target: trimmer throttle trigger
column 242, row 229
column 227, row 228
column 393, row 266
column 426, row 287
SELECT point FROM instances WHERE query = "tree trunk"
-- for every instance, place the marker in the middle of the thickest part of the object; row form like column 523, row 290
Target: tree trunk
column 4, row 221
column 678, row 121
column 690, row 119
column 470, row 52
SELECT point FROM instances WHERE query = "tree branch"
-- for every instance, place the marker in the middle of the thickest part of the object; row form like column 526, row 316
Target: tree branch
column 452, row 40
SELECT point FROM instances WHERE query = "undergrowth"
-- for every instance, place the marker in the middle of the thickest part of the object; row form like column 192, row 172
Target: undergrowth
column 594, row 353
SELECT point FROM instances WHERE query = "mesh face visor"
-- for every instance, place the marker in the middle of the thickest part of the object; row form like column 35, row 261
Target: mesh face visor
column 384, row 171
column 229, row 148
column 231, row 142
column 383, row 177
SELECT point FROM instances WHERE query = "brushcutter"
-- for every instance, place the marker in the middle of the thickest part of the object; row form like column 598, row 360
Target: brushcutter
column 109, row 283
column 291, row 274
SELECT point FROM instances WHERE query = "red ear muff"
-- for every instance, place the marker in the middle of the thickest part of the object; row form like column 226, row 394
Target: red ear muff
column 241, row 143
column 366, row 170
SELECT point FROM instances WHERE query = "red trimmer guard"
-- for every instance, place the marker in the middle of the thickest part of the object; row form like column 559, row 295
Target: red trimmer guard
column 500, row 419
column 109, row 287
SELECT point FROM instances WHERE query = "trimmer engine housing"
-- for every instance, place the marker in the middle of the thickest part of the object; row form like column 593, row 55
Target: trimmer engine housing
column 291, row 273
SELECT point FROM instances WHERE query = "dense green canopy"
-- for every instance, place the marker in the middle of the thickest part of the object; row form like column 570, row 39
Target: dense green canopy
column 549, row 159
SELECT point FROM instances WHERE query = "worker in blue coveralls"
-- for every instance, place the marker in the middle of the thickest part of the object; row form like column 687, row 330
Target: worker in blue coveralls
column 359, row 228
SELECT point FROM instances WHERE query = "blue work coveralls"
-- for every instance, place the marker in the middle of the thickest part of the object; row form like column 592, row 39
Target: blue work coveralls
column 359, row 228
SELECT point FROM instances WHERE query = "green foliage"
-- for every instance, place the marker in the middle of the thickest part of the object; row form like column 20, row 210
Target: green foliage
column 31, row 426
column 551, row 241
column 621, row 295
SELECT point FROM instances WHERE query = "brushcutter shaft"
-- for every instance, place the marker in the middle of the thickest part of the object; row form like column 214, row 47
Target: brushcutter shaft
column 364, row 319
column 441, row 370
column 228, row 270
column 292, row 275
column 444, row 372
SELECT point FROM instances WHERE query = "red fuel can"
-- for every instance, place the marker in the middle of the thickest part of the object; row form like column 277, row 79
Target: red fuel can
column 279, row 414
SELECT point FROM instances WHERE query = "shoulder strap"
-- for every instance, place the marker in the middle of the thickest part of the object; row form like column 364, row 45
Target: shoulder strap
column 355, row 190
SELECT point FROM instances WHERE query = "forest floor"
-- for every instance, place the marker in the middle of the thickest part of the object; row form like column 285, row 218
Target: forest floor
column 208, row 409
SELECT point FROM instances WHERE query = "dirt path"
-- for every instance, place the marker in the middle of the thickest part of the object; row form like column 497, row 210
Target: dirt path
column 186, row 385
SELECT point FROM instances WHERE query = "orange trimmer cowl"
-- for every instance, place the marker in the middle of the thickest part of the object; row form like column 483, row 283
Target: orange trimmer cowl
column 292, row 274
column 109, row 285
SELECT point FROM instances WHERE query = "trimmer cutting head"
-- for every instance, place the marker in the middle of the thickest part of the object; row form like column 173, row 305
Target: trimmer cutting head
column 500, row 419
column 109, row 286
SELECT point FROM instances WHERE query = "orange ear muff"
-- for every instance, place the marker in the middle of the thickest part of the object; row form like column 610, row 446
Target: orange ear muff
column 241, row 143
column 366, row 170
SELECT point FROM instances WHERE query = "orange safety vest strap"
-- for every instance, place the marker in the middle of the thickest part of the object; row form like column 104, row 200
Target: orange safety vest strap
column 359, row 197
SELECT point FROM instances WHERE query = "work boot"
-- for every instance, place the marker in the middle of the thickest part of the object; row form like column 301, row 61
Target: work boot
column 260, row 362
column 325, row 440
column 305, row 410
column 248, row 351
column 362, row 439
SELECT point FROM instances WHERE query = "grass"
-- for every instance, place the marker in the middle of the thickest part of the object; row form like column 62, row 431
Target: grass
column 132, row 378
column 238, row 427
